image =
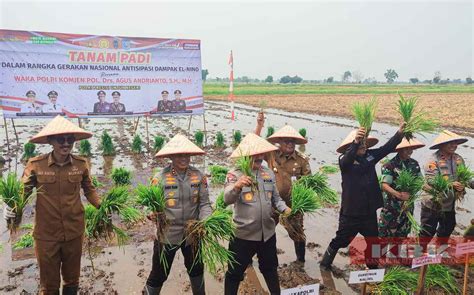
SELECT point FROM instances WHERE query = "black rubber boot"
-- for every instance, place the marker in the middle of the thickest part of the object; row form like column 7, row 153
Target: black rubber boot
column 197, row 285
column 231, row 287
column 70, row 290
column 273, row 283
column 300, row 250
column 328, row 258
column 149, row 290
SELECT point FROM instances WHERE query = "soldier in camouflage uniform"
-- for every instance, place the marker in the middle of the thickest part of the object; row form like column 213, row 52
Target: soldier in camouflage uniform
column 393, row 220
column 187, row 198
column 288, row 165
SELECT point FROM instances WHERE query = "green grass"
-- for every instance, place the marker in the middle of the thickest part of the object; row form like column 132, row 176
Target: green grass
column 137, row 144
column 199, row 138
column 220, row 141
column 25, row 241
column 288, row 89
column 29, row 151
column 159, row 143
column 85, row 148
column 121, row 176
column 218, row 174
column 270, row 131
column 329, row 169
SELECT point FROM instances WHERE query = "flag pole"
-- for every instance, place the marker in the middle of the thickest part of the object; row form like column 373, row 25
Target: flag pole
column 231, row 89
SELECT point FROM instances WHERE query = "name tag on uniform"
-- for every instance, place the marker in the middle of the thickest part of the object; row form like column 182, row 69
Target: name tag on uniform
column 370, row 158
column 195, row 184
column 171, row 186
column 50, row 173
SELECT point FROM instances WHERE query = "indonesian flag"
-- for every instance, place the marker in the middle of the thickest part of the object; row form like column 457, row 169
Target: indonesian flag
column 231, row 85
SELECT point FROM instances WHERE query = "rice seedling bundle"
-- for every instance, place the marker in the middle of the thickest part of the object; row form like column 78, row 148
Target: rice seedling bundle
column 329, row 169
column 28, row 226
column 245, row 164
column 270, row 131
column 121, row 176
column 440, row 189
column 218, row 174
column 205, row 236
column 412, row 184
column 221, row 205
column 303, row 200
column 29, row 151
column 96, row 183
column 85, row 148
column 220, row 140
column 100, row 224
column 397, row 280
column 12, row 193
column 442, row 277
column 159, row 142
column 302, row 132
column 25, row 241
column 318, row 182
column 263, row 105
column 199, row 138
column 415, row 123
column 237, row 137
column 464, row 175
column 153, row 198
column 137, row 144
column 364, row 113
column 106, row 145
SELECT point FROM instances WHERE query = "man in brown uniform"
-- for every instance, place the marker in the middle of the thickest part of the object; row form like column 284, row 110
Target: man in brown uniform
column 59, row 220
column 288, row 166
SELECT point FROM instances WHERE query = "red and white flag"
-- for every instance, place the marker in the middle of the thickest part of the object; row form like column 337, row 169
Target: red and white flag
column 231, row 85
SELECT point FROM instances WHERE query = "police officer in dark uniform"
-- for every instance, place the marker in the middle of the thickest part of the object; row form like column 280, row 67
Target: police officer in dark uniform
column 179, row 104
column 361, row 194
column 165, row 105
column 117, row 106
column 102, row 106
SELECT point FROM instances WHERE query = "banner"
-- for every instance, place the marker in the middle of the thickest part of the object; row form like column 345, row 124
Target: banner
column 46, row 74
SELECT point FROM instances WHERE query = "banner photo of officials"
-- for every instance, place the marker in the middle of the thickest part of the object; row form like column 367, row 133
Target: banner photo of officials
column 46, row 74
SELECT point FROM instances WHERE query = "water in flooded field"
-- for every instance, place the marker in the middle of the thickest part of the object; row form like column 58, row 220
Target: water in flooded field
column 125, row 270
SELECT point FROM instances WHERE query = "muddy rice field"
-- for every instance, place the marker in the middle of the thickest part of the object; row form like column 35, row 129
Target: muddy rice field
column 124, row 270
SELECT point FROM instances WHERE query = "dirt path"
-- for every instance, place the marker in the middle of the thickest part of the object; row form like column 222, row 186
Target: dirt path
column 449, row 109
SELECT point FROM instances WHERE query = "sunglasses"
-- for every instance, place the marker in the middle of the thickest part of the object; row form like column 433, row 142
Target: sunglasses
column 63, row 139
column 287, row 142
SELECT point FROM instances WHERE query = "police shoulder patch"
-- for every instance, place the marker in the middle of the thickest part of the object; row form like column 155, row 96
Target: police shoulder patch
column 231, row 177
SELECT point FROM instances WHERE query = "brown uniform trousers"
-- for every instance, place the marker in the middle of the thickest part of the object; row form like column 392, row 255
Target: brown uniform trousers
column 59, row 218
column 285, row 168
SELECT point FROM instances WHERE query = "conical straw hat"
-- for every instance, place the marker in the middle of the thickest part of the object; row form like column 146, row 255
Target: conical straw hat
column 179, row 144
column 251, row 145
column 371, row 141
column 287, row 132
column 412, row 143
column 58, row 126
column 445, row 137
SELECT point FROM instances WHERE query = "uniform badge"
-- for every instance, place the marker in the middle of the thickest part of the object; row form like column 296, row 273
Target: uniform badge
column 248, row 197
column 171, row 202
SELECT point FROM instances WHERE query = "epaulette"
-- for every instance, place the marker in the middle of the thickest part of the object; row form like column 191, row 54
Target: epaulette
column 79, row 158
column 38, row 158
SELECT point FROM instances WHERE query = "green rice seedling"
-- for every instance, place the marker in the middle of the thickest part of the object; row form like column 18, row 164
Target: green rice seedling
column 85, row 148
column 13, row 193
column 100, row 225
column 137, row 144
column 440, row 188
column 303, row 200
column 25, row 241
column 270, row 131
column 28, row 226
column 130, row 215
column 220, row 141
column 121, row 176
column 199, row 138
column 440, row 276
column 96, row 183
column 153, row 198
column 302, row 132
column 29, row 151
column 464, row 175
column 221, row 205
column 397, row 280
column 469, row 232
column 364, row 113
column 415, row 123
column 237, row 137
column 245, row 164
column 218, row 174
column 159, row 143
column 205, row 237
column 411, row 184
column 329, row 169
column 263, row 105
column 107, row 146
column 318, row 182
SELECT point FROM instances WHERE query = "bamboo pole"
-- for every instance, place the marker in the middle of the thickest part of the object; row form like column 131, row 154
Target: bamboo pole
column 16, row 134
column 421, row 280
column 6, row 133
column 466, row 271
